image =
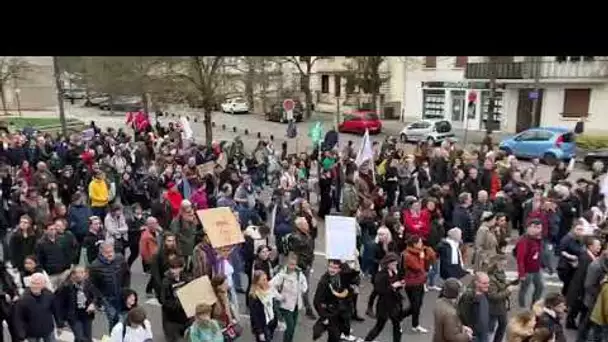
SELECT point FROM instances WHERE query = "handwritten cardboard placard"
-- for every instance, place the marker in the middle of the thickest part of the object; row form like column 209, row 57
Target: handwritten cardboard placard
column 198, row 291
column 205, row 169
column 340, row 237
column 221, row 227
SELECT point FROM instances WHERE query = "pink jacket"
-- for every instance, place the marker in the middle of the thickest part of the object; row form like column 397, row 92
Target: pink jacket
column 199, row 199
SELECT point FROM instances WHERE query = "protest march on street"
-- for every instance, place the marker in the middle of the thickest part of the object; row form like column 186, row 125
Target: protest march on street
column 227, row 237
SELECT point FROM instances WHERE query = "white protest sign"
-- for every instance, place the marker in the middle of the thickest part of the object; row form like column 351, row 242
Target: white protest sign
column 340, row 237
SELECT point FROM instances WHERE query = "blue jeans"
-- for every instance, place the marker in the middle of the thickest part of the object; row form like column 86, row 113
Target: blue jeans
column 82, row 328
column 531, row 278
column 110, row 306
column 49, row 338
column 367, row 257
column 547, row 256
column 237, row 263
column 99, row 212
column 432, row 274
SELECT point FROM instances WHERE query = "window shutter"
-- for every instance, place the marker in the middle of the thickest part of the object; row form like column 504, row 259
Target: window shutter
column 430, row 62
column 576, row 103
column 461, row 61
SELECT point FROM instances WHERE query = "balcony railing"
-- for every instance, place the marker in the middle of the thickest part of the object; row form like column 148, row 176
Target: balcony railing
column 548, row 70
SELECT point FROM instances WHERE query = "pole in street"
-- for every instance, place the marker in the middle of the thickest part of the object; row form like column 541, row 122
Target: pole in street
column 57, row 72
column 490, row 115
column 536, row 65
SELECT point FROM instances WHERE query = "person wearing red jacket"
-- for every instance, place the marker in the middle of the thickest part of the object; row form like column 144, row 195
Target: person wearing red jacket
column 416, row 261
column 537, row 213
column 528, row 252
column 417, row 221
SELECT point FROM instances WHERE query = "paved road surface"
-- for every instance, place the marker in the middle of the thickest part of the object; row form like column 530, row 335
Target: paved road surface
column 303, row 333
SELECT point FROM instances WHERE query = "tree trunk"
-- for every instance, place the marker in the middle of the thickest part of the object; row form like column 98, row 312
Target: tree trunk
column 374, row 99
column 308, row 95
column 58, row 85
column 208, row 128
column 250, row 83
column 3, row 99
column 145, row 103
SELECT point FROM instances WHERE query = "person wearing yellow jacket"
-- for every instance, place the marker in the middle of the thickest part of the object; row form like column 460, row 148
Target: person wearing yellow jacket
column 99, row 195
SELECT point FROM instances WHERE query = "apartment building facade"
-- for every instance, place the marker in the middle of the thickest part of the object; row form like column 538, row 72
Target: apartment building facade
column 569, row 88
column 436, row 88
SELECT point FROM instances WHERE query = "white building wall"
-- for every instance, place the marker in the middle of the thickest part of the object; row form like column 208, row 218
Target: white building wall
column 553, row 106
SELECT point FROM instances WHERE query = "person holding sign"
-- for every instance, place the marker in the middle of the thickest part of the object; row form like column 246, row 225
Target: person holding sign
column 175, row 321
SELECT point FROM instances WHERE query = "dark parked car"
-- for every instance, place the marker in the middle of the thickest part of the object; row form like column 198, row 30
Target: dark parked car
column 122, row 104
column 94, row 100
column 597, row 155
column 278, row 114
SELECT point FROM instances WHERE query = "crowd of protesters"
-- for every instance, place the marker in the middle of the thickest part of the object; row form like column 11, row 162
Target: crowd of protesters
column 439, row 219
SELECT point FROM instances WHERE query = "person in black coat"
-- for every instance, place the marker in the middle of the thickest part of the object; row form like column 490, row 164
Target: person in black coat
column 331, row 303
column 8, row 294
column 576, row 288
column 472, row 183
column 450, row 258
column 570, row 248
column 36, row 312
column 175, row 321
column 262, row 263
column 381, row 247
column 77, row 299
column 388, row 285
column 462, row 218
column 325, row 183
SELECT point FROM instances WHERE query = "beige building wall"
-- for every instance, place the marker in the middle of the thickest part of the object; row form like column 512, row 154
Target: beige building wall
column 38, row 91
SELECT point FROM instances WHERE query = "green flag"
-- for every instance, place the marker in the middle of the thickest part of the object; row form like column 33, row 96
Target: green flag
column 316, row 133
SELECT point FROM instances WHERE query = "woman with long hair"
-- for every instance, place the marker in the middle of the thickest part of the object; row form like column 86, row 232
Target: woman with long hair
column 204, row 328
column 22, row 242
column 416, row 259
column 77, row 301
column 262, row 263
column 388, row 284
column 261, row 307
column 521, row 326
column 290, row 283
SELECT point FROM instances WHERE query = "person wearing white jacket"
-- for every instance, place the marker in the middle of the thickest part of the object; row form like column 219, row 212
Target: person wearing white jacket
column 116, row 227
column 290, row 283
column 138, row 328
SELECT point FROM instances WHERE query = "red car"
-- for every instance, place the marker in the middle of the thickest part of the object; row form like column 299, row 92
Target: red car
column 358, row 121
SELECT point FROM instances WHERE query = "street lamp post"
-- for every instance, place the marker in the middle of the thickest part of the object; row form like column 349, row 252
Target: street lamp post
column 58, row 85
column 18, row 98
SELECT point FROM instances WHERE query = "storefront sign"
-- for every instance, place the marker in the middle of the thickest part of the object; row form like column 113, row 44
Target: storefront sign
column 533, row 95
column 461, row 85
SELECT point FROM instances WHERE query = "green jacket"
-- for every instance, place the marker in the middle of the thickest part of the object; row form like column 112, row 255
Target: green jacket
column 599, row 315
column 350, row 199
column 187, row 234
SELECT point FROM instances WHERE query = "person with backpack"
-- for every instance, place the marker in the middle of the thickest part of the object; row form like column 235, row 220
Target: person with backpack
column 302, row 244
column 135, row 328
column 290, row 282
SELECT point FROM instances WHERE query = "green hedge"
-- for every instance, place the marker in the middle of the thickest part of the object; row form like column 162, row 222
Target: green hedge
column 590, row 142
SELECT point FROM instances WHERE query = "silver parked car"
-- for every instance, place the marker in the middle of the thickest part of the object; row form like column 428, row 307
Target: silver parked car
column 434, row 131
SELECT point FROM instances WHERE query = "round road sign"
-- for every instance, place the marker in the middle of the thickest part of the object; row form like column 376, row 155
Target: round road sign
column 288, row 105
column 472, row 96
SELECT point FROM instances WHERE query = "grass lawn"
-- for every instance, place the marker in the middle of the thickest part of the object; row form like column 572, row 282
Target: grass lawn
column 21, row 122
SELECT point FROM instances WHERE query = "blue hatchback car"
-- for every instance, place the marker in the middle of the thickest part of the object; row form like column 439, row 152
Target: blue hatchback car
column 550, row 144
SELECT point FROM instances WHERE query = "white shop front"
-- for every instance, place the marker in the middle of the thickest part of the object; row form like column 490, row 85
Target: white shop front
column 450, row 101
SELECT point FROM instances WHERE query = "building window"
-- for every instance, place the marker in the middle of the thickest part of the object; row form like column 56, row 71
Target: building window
column 350, row 84
column 576, row 103
column 461, row 61
column 325, row 84
column 433, row 106
column 337, row 85
column 563, row 59
column 430, row 62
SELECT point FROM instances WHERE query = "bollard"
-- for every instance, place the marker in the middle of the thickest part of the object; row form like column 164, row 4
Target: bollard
column 234, row 129
column 224, row 127
column 246, row 131
column 271, row 137
column 188, row 118
column 259, row 135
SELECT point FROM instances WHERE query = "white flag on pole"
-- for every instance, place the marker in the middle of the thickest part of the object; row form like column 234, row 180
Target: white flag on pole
column 365, row 151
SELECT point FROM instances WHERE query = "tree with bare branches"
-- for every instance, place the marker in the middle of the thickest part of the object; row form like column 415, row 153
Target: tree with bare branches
column 11, row 69
column 304, row 66
column 364, row 73
column 205, row 75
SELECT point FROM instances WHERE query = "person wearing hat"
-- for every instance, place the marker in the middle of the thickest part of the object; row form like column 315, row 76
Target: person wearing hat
column 447, row 326
column 486, row 242
column 388, row 285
